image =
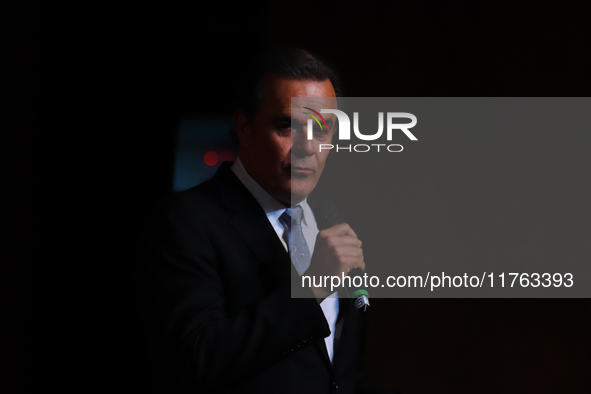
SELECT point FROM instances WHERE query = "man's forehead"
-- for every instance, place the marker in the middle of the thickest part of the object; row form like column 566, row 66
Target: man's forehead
column 278, row 93
column 316, row 103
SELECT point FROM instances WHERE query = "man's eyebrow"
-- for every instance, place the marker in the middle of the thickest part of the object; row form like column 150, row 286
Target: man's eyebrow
column 282, row 118
column 330, row 122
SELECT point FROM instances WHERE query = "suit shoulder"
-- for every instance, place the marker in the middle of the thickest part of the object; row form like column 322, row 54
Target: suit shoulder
column 196, row 204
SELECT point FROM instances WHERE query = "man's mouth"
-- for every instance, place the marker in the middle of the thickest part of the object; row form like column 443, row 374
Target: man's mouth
column 301, row 170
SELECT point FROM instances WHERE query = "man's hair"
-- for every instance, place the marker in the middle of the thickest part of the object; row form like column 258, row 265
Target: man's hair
column 290, row 63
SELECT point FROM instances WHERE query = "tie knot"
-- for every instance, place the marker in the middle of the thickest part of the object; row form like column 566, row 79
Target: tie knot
column 296, row 214
column 293, row 215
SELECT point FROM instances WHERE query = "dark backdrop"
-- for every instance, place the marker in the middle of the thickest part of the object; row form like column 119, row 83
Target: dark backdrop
column 96, row 89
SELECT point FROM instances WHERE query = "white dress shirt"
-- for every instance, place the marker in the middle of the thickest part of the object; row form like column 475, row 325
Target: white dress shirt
column 274, row 209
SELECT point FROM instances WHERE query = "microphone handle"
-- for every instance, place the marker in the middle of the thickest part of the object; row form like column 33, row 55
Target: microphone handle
column 359, row 296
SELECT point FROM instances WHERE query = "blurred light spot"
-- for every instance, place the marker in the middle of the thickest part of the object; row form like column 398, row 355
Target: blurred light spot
column 211, row 158
column 226, row 155
column 197, row 134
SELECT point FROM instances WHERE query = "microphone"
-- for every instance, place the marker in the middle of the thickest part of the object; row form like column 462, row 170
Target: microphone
column 330, row 217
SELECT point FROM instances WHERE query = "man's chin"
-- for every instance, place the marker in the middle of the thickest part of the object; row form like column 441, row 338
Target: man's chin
column 300, row 192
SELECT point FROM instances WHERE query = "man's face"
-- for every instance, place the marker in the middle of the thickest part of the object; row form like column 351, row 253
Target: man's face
column 276, row 152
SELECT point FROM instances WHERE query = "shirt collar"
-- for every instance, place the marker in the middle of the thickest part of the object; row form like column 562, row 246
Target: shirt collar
column 270, row 205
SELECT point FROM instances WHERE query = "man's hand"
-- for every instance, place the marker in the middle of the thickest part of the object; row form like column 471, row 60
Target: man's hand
column 337, row 251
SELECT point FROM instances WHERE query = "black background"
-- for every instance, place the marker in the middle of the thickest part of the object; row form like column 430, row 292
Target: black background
column 95, row 91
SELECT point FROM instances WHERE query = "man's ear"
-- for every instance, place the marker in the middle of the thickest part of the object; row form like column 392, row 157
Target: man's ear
column 243, row 128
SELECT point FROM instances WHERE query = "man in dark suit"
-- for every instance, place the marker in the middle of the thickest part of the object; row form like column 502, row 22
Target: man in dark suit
column 214, row 274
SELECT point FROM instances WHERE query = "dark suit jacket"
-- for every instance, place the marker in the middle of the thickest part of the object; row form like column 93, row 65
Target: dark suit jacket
column 213, row 282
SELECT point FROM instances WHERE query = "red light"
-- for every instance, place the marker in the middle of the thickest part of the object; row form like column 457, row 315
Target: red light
column 226, row 155
column 211, row 158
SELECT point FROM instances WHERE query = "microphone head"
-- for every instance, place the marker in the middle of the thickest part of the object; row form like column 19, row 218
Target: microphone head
column 328, row 215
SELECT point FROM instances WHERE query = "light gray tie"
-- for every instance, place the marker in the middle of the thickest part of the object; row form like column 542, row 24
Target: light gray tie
column 298, row 248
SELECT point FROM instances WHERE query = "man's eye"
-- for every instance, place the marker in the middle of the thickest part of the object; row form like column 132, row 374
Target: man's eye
column 285, row 126
column 321, row 131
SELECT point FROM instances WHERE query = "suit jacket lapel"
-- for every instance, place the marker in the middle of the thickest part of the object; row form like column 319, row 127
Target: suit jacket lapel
column 251, row 223
column 321, row 348
column 340, row 349
column 343, row 323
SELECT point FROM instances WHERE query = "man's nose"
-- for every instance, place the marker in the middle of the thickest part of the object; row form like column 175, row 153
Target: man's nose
column 300, row 144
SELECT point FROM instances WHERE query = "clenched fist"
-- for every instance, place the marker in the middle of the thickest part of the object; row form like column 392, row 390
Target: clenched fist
column 337, row 251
